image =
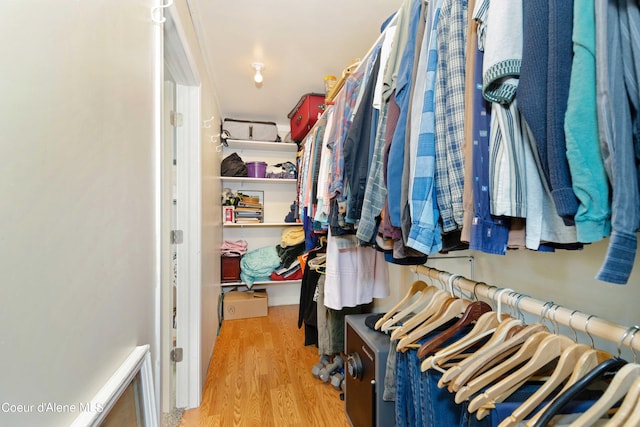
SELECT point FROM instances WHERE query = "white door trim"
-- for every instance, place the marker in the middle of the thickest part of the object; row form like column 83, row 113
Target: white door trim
column 178, row 59
column 188, row 386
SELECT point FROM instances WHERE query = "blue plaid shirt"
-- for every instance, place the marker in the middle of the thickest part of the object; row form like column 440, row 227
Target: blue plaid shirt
column 425, row 230
column 449, row 112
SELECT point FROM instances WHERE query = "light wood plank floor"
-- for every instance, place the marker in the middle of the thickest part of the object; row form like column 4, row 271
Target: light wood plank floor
column 260, row 375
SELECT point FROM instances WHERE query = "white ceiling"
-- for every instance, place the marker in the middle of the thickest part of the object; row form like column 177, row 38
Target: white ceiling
column 298, row 41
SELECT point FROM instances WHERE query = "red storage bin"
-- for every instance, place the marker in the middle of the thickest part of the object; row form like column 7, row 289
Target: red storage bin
column 230, row 269
column 305, row 114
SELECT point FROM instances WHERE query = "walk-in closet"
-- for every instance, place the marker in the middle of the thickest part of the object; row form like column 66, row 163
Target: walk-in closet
column 405, row 213
column 469, row 200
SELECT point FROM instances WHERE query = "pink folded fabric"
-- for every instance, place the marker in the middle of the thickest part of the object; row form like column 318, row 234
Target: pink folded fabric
column 233, row 249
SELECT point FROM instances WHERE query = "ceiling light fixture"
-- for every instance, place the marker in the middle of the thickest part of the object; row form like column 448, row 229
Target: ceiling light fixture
column 258, row 66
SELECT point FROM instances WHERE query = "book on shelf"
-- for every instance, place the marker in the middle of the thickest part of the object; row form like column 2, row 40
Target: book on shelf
column 248, row 220
column 249, row 210
column 259, row 216
column 243, row 205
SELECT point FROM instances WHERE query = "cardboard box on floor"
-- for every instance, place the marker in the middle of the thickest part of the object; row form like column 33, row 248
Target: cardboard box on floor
column 242, row 305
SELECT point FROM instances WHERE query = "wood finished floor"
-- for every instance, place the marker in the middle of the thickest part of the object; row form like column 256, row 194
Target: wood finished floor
column 260, row 375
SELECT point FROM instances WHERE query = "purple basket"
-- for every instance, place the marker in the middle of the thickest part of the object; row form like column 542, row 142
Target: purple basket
column 256, row 169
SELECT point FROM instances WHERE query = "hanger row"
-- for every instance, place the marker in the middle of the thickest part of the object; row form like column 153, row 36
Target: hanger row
column 548, row 311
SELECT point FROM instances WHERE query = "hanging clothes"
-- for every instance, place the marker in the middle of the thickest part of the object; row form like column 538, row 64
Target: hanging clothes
column 355, row 275
column 425, row 233
column 449, row 112
column 618, row 74
column 590, row 183
column 396, row 158
column 356, row 149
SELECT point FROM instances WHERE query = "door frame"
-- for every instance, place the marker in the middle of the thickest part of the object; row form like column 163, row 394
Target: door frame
column 178, row 59
column 188, row 385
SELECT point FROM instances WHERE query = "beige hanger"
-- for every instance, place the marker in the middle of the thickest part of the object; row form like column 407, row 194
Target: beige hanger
column 485, row 325
column 421, row 302
column 634, row 417
column 499, row 335
column 432, row 308
column 628, row 413
column 455, row 307
column 417, row 286
column 493, row 355
column 563, row 370
column 523, row 353
column 585, row 364
column 471, row 314
column 619, row 386
column 550, row 348
column 629, row 406
column 486, row 409
column 496, row 338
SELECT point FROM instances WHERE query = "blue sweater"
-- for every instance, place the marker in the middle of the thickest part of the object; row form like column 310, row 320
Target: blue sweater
column 543, row 93
column 558, row 79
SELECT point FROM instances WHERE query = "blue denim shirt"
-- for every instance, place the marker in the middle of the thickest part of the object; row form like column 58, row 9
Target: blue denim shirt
column 619, row 126
column 395, row 163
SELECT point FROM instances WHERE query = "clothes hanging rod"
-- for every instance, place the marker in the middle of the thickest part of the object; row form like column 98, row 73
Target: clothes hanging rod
column 577, row 320
column 381, row 37
column 363, row 61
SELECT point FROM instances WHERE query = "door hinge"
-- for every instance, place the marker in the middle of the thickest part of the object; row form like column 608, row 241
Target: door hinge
column 176, row 237
column 176, row 354
column 176, row 119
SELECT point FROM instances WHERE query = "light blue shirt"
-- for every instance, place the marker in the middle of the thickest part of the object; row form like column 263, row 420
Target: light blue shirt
column 425, row 235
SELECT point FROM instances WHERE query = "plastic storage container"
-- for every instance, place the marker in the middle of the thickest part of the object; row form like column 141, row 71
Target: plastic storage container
column 256, row 169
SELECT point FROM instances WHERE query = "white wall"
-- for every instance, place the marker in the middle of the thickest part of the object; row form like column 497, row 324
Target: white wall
column 78, row 193
column 564, row 277
column 77, row 187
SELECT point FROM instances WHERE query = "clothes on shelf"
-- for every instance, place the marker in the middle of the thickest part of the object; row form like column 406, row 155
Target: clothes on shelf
column 271, row 263
column 233, row 248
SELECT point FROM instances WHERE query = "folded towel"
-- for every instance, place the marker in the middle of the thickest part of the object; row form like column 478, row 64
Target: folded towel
column 257, row 265
column 233, row 249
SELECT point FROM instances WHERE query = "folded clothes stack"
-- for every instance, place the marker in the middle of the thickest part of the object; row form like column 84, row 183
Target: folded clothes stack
column 233, row 249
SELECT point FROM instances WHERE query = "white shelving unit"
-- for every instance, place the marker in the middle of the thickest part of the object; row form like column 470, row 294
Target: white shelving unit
column 243, row 144
column 257, row 284
column 267, row 181
column 279, row 194
column 262, row 224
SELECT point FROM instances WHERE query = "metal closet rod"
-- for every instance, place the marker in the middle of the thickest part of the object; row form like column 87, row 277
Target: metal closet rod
column 574, row 319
